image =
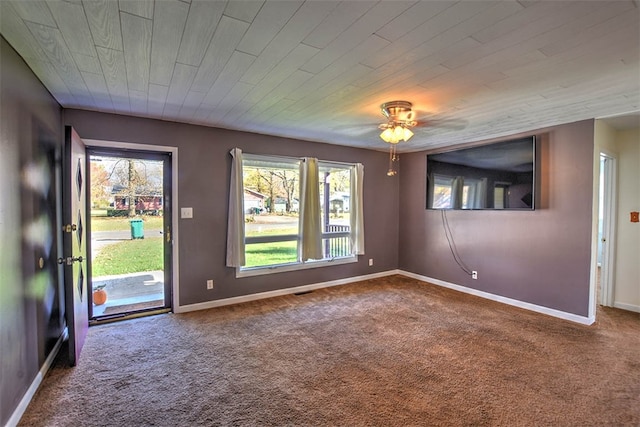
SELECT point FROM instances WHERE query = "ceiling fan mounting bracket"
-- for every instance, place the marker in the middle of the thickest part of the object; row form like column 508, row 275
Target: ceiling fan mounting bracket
column 398, row 111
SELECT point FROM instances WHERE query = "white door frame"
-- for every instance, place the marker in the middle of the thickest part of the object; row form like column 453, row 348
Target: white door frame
column 174, row 197
column 609, row 176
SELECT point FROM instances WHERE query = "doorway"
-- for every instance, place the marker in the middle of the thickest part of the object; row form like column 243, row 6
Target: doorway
column 130, row 232
column 606, row 229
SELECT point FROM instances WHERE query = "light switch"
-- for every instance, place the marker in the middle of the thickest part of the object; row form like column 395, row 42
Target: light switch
column 635, row 216
column 186, row 212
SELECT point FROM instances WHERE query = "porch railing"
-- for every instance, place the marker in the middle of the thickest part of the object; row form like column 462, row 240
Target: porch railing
column 336, row 241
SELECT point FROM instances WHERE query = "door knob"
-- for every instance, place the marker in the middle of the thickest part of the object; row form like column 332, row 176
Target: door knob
column 69, row 228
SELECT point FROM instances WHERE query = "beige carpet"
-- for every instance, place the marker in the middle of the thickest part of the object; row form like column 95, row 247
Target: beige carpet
column 385, row 352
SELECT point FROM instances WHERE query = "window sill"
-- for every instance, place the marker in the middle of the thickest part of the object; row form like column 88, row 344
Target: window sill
column 259, row 271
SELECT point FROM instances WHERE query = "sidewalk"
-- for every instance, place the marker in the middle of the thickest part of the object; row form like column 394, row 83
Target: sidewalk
column 124, row 289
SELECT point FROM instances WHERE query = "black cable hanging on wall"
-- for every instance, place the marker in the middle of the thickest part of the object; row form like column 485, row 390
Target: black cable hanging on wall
column 452, row 244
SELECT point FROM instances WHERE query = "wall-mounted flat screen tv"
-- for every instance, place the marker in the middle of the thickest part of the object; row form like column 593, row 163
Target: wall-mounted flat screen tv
column 500, row 175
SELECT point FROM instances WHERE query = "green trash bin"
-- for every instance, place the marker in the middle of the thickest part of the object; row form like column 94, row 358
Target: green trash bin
column 137, row 229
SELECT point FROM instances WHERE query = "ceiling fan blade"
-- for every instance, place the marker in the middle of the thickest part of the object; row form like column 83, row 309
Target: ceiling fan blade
column 360, row 129
column 441, row 122
column 425, row 123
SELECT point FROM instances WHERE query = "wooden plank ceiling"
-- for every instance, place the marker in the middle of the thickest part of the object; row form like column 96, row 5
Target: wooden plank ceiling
column 319, row 70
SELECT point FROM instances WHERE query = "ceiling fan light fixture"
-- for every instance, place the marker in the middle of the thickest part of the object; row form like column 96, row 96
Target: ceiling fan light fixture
column 396, row 133
column 389, row 135
column 406, row 133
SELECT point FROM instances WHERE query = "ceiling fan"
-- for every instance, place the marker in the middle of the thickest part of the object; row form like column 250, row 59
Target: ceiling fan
column 400, row 120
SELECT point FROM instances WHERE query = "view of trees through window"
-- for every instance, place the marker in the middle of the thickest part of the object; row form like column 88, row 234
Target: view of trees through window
column 272, row 207
column 126, row 186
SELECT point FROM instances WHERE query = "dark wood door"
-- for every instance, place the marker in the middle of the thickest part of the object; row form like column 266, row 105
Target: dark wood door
column 75, row 243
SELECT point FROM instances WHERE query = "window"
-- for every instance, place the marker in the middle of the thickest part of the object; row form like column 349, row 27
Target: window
column 458, row 193
column 335, row 199
column 499, row 196
column 472, row 193
column 271, row 234
column 271, row 214
column 442, row 192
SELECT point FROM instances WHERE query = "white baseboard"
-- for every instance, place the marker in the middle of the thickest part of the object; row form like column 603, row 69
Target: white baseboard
column 31, row 391
column 278, row 292
column 625, row 306
column 305, row 288
column 516, row 303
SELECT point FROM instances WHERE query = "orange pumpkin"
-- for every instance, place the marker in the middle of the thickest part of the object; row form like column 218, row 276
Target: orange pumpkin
column 99, row 296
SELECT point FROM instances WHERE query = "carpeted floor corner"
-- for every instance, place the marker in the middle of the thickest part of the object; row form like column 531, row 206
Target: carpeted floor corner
column 386, row 352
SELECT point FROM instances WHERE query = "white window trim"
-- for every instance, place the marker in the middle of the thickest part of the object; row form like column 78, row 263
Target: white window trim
column 298, row 265
column 294, row 266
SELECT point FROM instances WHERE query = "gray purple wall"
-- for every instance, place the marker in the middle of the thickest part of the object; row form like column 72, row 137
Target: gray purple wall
column 541, row 257
column 203, row 183
column 31, row 299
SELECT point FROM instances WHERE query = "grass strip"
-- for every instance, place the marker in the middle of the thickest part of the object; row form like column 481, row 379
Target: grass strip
column 129, row 256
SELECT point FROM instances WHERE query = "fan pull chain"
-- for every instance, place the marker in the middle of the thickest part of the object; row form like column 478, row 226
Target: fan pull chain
column 393, row 157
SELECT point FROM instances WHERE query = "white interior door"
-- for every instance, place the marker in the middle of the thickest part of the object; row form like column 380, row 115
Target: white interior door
column 606, row 227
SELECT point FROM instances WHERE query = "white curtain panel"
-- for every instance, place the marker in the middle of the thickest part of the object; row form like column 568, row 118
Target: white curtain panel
column 431, row 183
column 481, row 201
column 235, row 222
column 356, row 209
column 310, row 230
column 457, row 188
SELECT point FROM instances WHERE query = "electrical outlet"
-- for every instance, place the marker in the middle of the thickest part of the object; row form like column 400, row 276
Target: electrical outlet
column 209, row 284
column 186, row 213
column 474, row 275
column 370, row 262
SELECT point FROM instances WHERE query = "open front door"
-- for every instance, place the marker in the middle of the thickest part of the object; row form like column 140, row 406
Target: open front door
column 135, row 224
column 75, row 245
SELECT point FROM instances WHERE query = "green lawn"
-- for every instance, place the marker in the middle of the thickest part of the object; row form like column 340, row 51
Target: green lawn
column 270, row 253
column 129, row 256
column 122, row 224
